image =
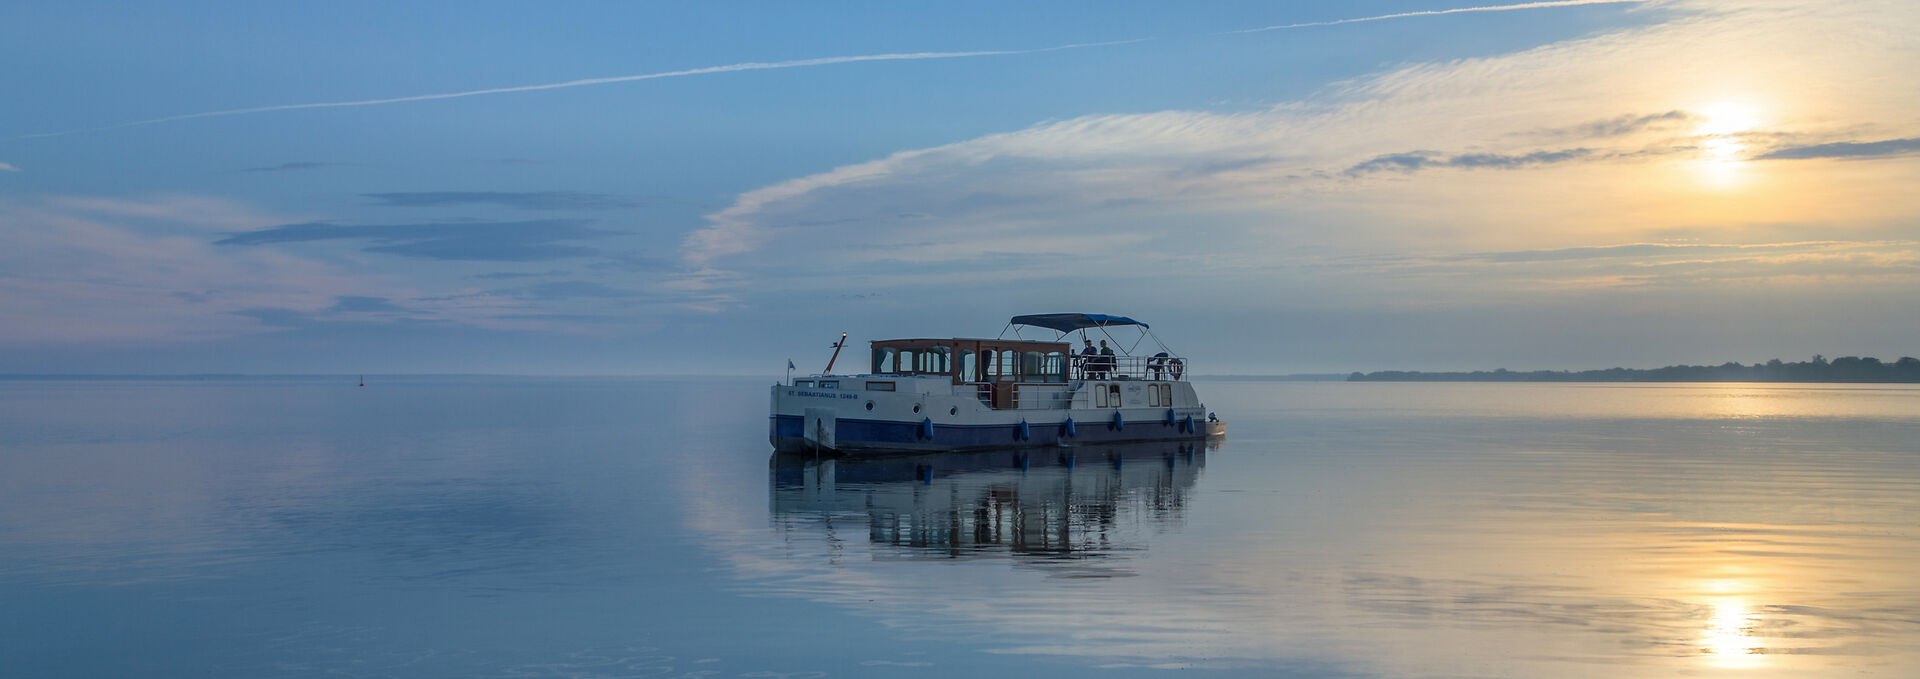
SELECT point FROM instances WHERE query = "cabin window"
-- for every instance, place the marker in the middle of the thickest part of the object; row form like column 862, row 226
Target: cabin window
column 937, row 360
column 1113, row 395
column 1166, row 394
column 879, row 386
column 1030, row 367
column 1009, row 366
column 1055, row 367
column 1153, row 395
column 907, row 358
column 882, row 360
column 1099, row 396
column 829, row 384
column 803, row 383
column 968, row 369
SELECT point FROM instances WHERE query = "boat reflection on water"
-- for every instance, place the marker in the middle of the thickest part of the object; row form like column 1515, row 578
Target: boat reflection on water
column 1066, row 508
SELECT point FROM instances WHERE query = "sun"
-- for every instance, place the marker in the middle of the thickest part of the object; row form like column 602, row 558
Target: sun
column 1726, row 118
column 1721, row 138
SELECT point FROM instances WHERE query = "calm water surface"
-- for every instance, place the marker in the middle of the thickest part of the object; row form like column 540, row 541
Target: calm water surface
column 605, row 528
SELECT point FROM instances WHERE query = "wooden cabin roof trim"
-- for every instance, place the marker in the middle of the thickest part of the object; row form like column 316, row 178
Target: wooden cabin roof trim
column 960, row 342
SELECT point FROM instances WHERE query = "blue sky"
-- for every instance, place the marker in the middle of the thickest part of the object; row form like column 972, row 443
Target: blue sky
column 1438, row 185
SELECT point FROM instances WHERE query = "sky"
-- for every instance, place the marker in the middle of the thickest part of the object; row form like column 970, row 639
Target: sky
column 695, row 188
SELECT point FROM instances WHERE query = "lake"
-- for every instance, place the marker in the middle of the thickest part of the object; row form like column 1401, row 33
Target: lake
column 573, row 527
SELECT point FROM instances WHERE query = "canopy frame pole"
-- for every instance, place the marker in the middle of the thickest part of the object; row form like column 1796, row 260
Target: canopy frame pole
column 1156, row 340
column 1116, row 340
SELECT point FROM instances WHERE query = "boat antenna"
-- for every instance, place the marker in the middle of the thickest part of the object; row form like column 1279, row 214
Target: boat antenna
column 837, row 346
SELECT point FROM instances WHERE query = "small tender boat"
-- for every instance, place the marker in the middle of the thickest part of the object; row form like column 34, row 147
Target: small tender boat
column 926, row 394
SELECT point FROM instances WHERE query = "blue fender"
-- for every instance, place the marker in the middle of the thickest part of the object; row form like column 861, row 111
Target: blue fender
column 1119, row 423
column 926, row 428
column 1022, row 431
column 1186, row 425
column 1068, row 427
column 1169, row 417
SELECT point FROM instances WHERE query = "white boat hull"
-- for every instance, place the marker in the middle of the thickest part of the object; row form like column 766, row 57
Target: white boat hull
column 928, row 415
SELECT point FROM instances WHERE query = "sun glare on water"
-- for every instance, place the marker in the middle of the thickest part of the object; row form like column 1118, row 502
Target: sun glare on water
column 1729, row 640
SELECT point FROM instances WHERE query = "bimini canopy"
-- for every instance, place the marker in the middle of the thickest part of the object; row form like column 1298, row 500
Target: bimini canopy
column 1072, row 322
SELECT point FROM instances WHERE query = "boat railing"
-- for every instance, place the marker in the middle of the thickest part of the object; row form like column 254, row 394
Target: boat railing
column 1130, row 367
column 1023, row 395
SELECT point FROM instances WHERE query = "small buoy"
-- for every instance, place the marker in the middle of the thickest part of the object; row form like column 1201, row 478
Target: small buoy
column 1068, row 425
column 1119, row 423
column 1023, row 431
column 926, row 428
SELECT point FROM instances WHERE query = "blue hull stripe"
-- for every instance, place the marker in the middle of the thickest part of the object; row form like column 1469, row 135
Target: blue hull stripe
column 788, row 432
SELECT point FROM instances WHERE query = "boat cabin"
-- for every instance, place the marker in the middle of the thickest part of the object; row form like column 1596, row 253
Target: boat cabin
column 975, row 360
column 997, row 368
column 1007, row 372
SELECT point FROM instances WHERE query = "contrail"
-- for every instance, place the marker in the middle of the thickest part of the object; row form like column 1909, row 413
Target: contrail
column 586, row 82
column 794, row 63
column 1436, row 12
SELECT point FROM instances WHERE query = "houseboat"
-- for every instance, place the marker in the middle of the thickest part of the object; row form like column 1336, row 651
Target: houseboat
column 936, row 395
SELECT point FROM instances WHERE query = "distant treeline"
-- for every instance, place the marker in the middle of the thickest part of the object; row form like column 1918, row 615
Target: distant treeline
column 1843, row 369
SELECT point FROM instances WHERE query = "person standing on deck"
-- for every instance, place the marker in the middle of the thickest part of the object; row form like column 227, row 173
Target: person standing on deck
column 1107, row 361
column 1089, row 361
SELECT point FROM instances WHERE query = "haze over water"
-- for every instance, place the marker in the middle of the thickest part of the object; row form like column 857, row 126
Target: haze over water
column 589, row 527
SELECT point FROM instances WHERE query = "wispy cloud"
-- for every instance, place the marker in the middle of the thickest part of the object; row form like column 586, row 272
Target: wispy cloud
column 508, row 275
column 1438, row 12
column 1420, row 160
column 1674, row 265
column 1845, row 149
column 87, row 270
column 566, row 290
column 524, row 241
column 1596, row 138
column 362, row 304
column 1642, row 250
column 1621, row 125
column 8, row 167
column 520, row 200
column 293, row 166
column 143, row 271
column 589, row 82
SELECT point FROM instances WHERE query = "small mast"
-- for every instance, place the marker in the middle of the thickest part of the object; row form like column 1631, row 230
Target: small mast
column 837, row 346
